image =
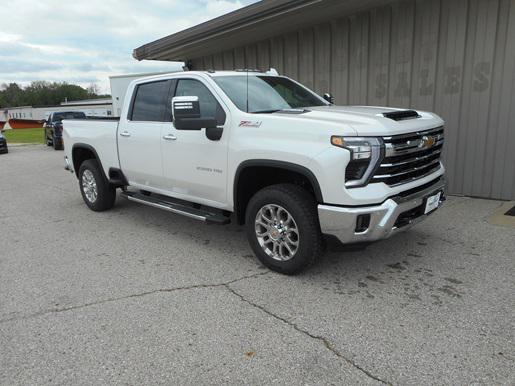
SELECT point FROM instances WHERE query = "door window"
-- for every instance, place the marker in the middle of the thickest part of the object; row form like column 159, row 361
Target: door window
column 209, row 106
column 149, row 101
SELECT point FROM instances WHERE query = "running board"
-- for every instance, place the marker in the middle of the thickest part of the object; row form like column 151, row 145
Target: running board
column 210, row 217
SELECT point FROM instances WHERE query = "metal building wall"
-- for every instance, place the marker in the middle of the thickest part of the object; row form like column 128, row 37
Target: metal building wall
column 453, row 57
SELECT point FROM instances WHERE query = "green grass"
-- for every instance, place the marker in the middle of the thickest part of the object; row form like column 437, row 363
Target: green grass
column 24, row 135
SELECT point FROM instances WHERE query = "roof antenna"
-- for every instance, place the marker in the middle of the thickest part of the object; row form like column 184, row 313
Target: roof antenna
column 247, row 90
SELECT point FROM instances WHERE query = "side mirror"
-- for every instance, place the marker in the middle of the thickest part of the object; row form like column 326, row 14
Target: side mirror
column 186, row 114
column 214, row 133
column 329, row 98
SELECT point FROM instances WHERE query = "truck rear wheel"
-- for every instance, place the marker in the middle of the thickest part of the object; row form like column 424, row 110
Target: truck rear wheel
column 96, row 191
column 283, row 229
column 56, row 146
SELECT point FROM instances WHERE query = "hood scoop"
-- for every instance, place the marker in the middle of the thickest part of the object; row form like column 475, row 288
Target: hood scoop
column 402, row 115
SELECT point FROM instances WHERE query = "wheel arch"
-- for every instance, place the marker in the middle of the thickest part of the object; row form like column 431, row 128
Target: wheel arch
column 82, row 152
column 249, row 179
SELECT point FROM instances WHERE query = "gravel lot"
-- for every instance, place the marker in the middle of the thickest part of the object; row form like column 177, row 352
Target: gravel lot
column 136, row 295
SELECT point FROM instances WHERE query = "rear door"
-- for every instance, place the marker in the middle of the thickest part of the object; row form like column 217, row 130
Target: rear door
column 139, row 135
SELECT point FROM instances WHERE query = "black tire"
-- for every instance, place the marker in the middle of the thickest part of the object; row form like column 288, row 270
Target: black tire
column 301, row 205
column 105, row 193
column 60, row 147
column 48, row 140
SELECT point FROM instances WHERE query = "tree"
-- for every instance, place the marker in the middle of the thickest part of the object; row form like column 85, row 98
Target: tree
column 42, row 93
column 93, row 90
column 12, row 94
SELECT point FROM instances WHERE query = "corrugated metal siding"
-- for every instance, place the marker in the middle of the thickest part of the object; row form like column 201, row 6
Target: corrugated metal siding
column 453, row 57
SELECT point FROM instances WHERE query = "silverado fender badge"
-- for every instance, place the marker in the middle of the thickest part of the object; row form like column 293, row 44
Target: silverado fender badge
column 250, row 123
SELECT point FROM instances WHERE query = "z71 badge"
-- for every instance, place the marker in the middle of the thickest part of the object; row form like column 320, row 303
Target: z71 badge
column 250, row 123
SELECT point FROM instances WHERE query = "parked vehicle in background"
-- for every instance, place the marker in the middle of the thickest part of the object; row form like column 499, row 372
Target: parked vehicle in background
column 54, row 127
column 267, row 152
column 3, row 144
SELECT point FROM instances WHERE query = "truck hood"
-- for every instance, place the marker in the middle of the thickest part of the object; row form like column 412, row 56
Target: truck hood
column 369, row 120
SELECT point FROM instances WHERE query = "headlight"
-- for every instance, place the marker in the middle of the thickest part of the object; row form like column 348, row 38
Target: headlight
column 365, row 153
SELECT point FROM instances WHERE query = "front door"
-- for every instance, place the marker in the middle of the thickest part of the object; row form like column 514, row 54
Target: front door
column 139, row 135
column 195, row 167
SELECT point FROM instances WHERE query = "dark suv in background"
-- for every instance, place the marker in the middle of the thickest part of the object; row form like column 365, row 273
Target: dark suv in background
column 54, row 127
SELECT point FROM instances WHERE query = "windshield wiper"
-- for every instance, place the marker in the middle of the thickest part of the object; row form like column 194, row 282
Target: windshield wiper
column 286, row 111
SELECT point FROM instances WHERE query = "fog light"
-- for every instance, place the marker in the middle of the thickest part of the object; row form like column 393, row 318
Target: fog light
column 362, row 223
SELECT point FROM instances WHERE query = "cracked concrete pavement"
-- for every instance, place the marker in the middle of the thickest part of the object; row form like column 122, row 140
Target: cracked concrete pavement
column 136, row 295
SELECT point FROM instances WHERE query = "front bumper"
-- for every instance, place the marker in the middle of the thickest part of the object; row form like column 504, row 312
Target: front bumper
column 395, row 214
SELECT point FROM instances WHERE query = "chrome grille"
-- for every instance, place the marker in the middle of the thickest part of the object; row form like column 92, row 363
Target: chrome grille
column 410, row 156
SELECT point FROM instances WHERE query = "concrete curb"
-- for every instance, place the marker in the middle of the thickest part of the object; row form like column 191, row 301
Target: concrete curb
column 11, row 144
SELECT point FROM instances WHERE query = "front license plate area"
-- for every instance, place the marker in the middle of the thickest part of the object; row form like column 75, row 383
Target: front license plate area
column 432, row 202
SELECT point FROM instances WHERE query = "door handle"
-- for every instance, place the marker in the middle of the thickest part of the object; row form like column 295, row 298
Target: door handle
column 170, row 137
column 125, row 134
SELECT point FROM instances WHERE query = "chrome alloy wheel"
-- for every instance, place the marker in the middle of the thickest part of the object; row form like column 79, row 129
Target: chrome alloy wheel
column 89, row 186
column 277, row 232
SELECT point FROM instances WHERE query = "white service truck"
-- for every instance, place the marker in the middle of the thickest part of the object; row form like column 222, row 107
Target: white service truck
column 264, row 151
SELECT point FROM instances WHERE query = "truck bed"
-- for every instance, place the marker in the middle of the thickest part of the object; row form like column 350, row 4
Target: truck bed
column 100, row 134
column 89, row 118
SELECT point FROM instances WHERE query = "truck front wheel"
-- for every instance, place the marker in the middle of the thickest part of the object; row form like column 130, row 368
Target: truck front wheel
column 48, row 140
column 283, row 229
column 96, row 191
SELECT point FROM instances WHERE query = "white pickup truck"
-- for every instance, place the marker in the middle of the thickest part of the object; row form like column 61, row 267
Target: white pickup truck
column 264, row 151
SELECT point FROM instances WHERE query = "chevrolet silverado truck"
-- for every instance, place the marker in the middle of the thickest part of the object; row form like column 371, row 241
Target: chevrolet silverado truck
column 266, row 152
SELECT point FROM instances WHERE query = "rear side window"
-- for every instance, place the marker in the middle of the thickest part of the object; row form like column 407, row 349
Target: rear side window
column 68, row 115
column 149, row 102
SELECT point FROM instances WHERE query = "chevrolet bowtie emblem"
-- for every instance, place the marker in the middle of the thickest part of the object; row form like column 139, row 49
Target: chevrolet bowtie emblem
column 428, row 141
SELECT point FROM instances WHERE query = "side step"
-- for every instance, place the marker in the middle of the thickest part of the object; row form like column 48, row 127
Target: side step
column 212, row 216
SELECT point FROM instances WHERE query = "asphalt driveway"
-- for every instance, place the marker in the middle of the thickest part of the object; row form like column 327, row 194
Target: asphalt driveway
column 136, row 295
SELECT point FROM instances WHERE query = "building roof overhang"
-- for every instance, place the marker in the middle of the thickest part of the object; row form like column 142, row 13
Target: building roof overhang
column 259, row 21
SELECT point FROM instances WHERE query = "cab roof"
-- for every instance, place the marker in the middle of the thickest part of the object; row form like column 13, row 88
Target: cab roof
column 211, row 73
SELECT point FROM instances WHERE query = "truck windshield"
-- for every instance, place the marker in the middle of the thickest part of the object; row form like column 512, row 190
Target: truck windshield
column 266, row 94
